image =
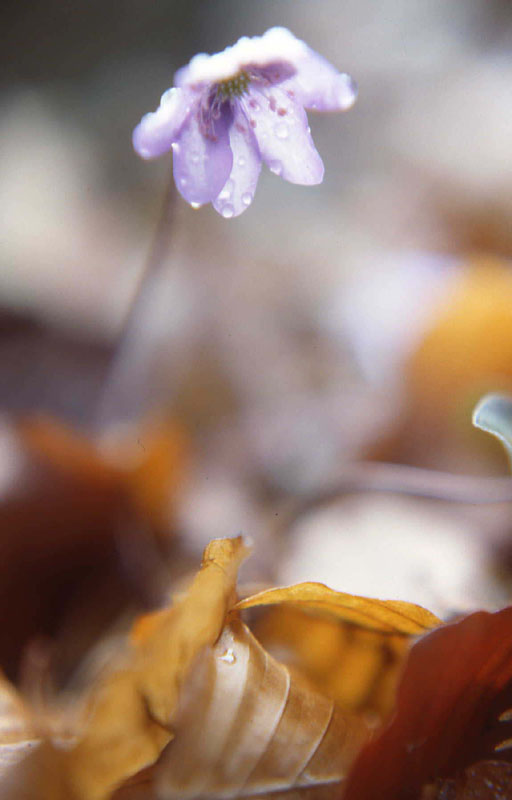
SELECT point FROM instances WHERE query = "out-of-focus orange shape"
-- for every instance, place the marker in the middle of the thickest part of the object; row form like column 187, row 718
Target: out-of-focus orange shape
column 468, row 349
column 81, row 532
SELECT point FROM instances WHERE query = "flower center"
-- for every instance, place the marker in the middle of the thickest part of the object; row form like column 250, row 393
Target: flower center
column 233, row 87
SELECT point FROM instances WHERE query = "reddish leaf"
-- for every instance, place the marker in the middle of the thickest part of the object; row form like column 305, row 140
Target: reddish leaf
column 456, row 684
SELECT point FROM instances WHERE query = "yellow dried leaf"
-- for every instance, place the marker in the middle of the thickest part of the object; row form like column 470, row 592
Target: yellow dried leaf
column 356, row 667
column 130, row 716
column 386, row 616
column 17, row 734
column 351, row 648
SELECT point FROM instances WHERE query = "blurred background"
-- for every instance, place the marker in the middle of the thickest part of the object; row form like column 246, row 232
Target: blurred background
column 360, row 319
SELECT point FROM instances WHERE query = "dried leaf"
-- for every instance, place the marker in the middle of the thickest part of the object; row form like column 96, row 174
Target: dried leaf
column 386, row 616
column 450, row 712
column 131, row 709
column 356, row 667
column 352, row 648
column 17, row 734
column 487, row 780
column 249, row 727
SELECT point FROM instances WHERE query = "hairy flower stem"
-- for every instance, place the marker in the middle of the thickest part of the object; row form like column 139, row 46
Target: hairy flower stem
column 128, row 383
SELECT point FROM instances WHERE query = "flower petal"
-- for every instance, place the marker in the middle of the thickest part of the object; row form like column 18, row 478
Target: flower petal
column 202, row 163
column 281, row 129
column 157, row 130
column 238, row 192
column 319, row 86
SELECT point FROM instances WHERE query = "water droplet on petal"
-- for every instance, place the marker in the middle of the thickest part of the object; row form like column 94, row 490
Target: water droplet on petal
column 247, row 198
column 241, row 161
column 281, row 130
column 229, row 656
column 276, row 167
column 196, row 205
column 227, row 211
column 225, row 194
column 346, row 91
column 175, row 147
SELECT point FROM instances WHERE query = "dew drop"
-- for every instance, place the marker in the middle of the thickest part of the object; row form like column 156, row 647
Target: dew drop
column 227, row 212
column 276, row 167
column 241, row 161
column 247, row 198
column 346, row 91
column 225, row 194
column 281, row 130
column 229, row 656
column 175, row 148
column 196, row 205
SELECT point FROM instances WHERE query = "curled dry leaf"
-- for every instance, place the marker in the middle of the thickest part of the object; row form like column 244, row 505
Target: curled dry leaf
column 356, row 667
column 249, row 727
column 386, row 616
column 17, row 735
column 131, row 710
column 197, row 708
column 452, row 712
column 352, row 648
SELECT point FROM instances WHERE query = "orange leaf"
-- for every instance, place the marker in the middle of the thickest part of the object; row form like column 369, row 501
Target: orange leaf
column 387, row 616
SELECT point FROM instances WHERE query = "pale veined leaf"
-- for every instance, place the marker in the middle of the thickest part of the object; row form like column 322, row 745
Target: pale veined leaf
column 246, row 726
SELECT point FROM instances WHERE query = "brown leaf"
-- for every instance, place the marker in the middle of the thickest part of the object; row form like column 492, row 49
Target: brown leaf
column 456, row 685
column 78, row 534
column 487, row 780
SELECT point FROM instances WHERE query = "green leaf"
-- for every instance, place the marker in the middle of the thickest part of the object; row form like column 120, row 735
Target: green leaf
column 493, row 414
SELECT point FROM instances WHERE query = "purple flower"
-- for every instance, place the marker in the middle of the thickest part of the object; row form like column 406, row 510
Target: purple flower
column 230, row 111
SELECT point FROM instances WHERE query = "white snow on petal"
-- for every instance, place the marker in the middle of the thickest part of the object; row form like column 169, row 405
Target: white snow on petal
column 276, row 45
column 319, row 86
column 157, row 130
